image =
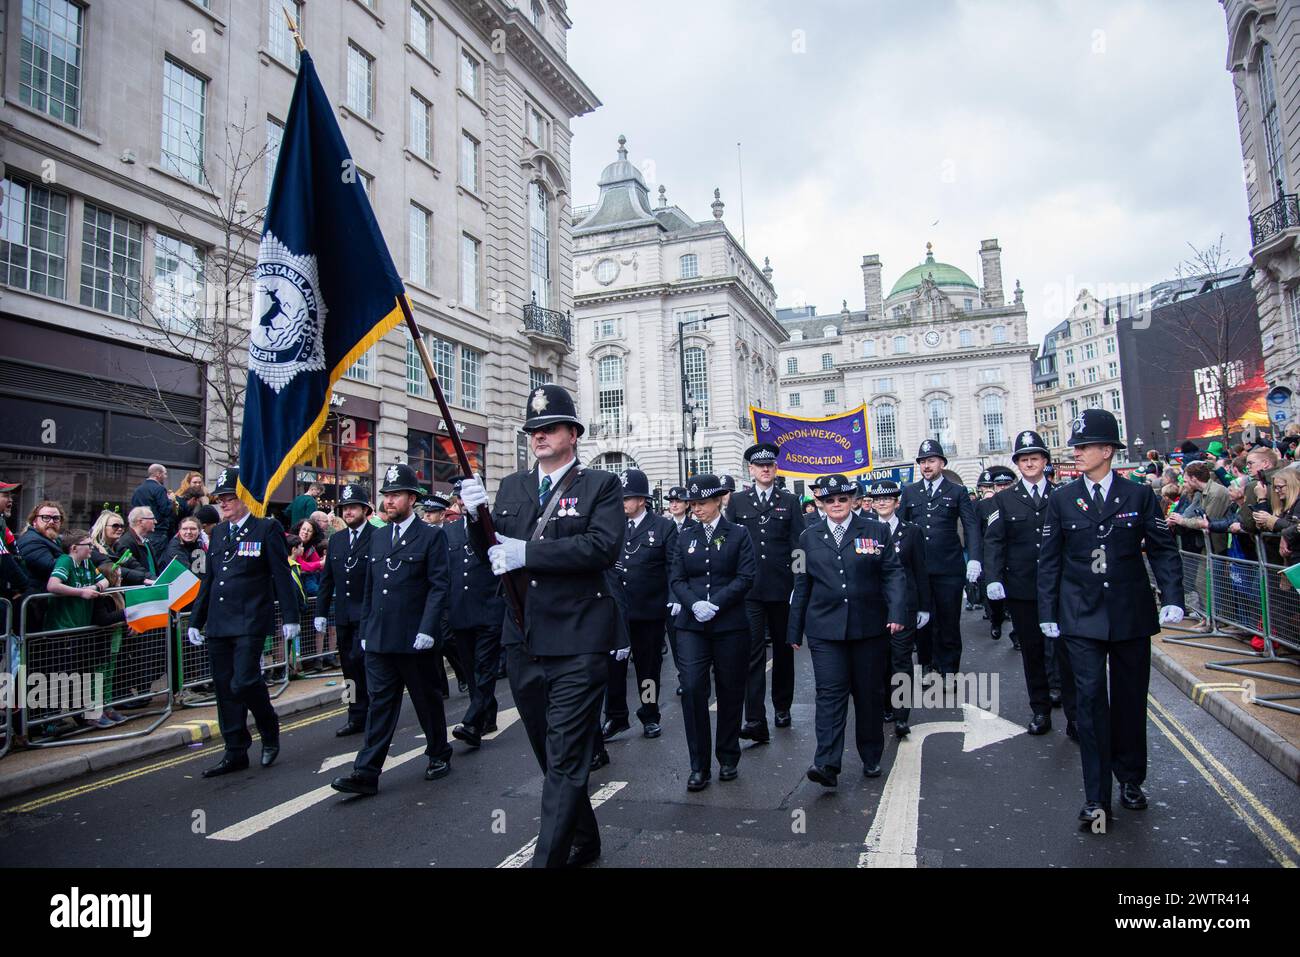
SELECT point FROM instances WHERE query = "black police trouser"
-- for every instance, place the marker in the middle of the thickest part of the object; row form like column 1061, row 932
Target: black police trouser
column 899, row 673
column 451, row 652
column 237, row 674
column 671, row 624
column 353, row 662
column 1035, row 648
column 559, row 705
column 481, row 647
column 997, row 611
column 765, row 616
column 842, row 669
column 939, row 642
column 647, row 639
column 725, row 653
column 386, row 676
column 1112, row 726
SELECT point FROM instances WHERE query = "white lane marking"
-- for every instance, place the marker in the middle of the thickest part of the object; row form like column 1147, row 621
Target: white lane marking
column 281, row 812
column 714, row 706
column 523, row 856
column 891, row 842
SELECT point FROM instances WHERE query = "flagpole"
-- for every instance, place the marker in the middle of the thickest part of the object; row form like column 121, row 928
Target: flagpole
column 293, row 30
column 484, row 516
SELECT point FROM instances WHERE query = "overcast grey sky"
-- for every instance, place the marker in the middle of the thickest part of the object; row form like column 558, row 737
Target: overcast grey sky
column 1093, row 139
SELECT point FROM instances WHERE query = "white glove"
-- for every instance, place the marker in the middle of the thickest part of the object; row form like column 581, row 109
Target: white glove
column 922, row 619
column 290, row 631
column 703, row 611
column 995, row 591
column 194, row 637
column 507, row 555
column 620, row 654
column 1050, row 628
column 973, row 569
column 363, row 644
column 423, row 642
column 1171, row 615
column 319, row 624
column 674, row 609
column 473, row 495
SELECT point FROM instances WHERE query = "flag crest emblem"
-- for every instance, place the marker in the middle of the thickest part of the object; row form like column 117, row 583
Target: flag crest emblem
column 288, row 322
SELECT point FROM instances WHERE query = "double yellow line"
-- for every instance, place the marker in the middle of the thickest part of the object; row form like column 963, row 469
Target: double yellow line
column 108, row 782
column 1272, row 832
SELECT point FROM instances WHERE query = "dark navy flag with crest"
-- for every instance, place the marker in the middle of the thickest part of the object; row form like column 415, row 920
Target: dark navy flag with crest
column 326, row 290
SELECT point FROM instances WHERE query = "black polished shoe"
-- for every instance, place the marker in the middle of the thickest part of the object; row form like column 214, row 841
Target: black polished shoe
column 728, row 772
column 462, row 686
column 356, row 783
column 1015, row 641
column 679, row 691
column 652, row 729
column 467, row 733
column 580, row 856
column 1054, row 695
column 490, row 728
column 901, row 729
column 756, row 732
column 1040, row 724
column 871, row 772
column 352, row 727
column 598, row 760
column 1094, row 817
column 698, row 781
column 612, row 729
column 269, row 753
column 438, row 768
column 1071, row 730
column 501, row 673
column 823, row 776
column 782, row 719
column 889, row 715
column 995, row 632
column 226, row 765
column 1133, row 797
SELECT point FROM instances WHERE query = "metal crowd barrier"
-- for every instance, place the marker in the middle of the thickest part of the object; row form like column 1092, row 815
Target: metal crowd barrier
column 1244, row 599
column 63, row 673
column 8, row 669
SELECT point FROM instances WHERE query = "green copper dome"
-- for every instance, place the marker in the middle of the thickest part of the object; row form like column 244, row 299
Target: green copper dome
column 943, row 273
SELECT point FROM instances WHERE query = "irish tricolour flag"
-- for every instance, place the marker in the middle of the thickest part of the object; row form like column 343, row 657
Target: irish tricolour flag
column 147, row 606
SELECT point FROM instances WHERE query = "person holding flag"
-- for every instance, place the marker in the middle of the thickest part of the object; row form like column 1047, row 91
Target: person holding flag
column 248, row 567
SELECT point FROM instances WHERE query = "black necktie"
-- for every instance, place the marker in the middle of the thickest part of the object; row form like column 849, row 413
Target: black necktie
column 397, row 530
column 839, row 534
column 352, row 542
column 934, row 487
column 1096, row 497
column 1038, row 499
column 631, row 526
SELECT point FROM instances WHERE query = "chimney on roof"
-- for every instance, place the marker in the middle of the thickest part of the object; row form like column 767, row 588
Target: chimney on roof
column 873, row 294
column 991, row 269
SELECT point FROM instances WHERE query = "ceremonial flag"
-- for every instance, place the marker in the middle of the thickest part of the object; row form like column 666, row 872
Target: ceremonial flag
column 173, row 590
column 810, row 448
column 326, row 291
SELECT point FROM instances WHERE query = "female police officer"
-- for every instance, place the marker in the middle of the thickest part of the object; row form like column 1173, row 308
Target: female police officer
column 713, row 572
column 849, row 599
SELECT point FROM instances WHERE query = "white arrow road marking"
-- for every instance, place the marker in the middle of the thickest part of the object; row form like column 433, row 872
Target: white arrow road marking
column 282, row 812
column 891, row 841
column 524, row 855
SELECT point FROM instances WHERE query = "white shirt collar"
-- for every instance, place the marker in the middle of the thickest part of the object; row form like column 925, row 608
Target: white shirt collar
column 557, row 474
column 708, row 529
column 235, row 526
column 930, row 487
column 764, row 495
column 404, row 525
column 1030, row 486
column 636, row 522
column 1104, row 483
column 848, row 520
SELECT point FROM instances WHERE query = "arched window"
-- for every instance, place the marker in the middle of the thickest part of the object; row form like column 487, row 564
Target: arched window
column 884, row 430
column 690, row 266
column 609, row 386
column 936, row 421
column 994, row 430
column 999, row 335
column 697, row 384
column 1272, row 122
column 539, row 247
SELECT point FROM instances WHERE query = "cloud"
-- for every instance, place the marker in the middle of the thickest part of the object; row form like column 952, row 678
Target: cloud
column 1093, row 140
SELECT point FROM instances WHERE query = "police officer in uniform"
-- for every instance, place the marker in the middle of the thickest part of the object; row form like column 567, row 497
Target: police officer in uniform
column 679, row 511
column 937, row 505
column 405, row 597
column 474, row 614
column 1094, row 595
column 559, row 529
column 433, row 508
column 983, row 493
column 714, row 570
column 1012, row 543
column 248, row 565
column 346, row 558
column 908, row 542
column 774, row 521
column 648, row 542
column 849, row 599
column 990, row 480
